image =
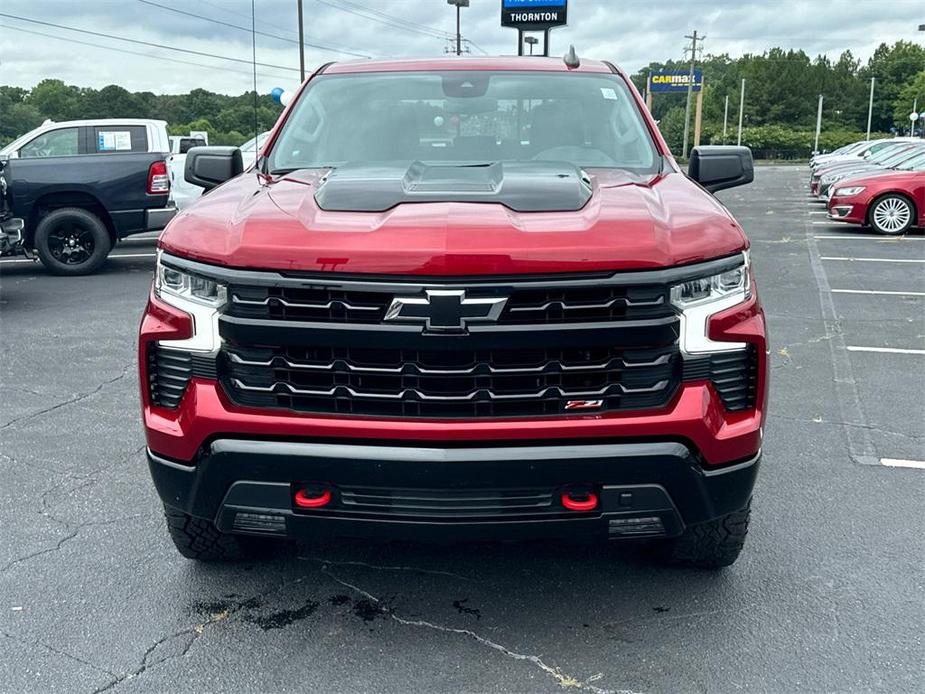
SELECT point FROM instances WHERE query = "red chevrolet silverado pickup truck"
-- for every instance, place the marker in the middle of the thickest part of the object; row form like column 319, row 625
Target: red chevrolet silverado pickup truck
column 453, row 299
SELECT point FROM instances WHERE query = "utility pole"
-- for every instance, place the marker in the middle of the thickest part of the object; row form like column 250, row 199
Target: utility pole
column 459, row 5
column 741, row 110
column 870, row 105
column 690, row 89
column 725, row 118
column 818, row 123
column 301, row 44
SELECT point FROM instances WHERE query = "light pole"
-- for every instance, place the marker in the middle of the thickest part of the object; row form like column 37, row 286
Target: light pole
column 459, row 4
column 741, row 111
column 818, row 123
column 725, row 118
column 301, row 45
column 870, row 105
column 531, row 41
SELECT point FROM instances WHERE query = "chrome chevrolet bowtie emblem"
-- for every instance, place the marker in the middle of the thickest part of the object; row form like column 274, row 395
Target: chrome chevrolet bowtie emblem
column 445, row 310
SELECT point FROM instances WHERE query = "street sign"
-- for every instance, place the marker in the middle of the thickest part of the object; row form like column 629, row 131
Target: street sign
column 913, row 116
column 675, row 81
column 534, row 15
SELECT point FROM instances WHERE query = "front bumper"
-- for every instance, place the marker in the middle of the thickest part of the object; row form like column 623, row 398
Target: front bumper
column 650, row 489
column 849, row 210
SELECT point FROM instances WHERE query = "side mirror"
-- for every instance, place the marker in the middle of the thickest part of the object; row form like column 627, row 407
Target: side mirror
column 208, row 167
column 717, row 167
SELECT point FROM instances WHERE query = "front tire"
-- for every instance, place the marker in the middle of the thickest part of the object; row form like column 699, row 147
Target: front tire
column 711, row 545
column 892, row 215
column 199, row 539
column 72, row 241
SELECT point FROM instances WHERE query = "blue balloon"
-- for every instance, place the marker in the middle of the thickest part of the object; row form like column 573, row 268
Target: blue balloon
column 277, row 94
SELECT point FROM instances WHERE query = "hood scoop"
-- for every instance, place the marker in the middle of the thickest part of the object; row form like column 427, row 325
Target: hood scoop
column 521, row 186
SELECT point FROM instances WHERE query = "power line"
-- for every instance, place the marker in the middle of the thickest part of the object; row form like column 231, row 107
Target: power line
column 386, row 15
column 242, row 14
column 262, row 33
column 142, row 55
column 146, row 43
column 484, row 52
column 394, row 23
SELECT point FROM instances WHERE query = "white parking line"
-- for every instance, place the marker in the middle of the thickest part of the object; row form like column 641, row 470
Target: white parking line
column 898, row 462
column 884, row 350
column 873, row 260
column 876, row 292
column 888, row 239
column 114, row 255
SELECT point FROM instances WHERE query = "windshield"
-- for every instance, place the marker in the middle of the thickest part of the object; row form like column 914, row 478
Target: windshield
column 916, row 163
column 466, row 118
column 898, row 155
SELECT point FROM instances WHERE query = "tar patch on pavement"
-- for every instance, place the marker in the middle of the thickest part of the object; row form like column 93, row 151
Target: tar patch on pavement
column 283, row 618
column 462, row 608
column 369, row 611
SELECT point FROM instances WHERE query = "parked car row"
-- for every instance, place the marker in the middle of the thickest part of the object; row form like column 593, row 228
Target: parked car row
column 879, row 183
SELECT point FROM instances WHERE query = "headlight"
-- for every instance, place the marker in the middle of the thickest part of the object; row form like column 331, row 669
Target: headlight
column 850, row 190
column 709, row 289
column 200, row 297
column 169, row 281
column 700, row 298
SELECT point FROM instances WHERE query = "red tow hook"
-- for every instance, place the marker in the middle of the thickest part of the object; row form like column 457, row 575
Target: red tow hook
column 579, row 500
column 312, row 497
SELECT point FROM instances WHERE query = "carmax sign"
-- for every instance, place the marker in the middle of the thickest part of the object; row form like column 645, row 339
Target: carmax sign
column 675, row 81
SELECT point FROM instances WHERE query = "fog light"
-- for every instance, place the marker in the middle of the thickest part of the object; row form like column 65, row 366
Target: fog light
column 649, row 525
column 267, row 523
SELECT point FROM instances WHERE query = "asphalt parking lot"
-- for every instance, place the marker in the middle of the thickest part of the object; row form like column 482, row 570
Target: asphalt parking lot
column 826, row 597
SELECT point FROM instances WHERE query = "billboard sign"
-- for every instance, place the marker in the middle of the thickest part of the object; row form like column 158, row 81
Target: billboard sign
column 675, row 81
column 534, row 15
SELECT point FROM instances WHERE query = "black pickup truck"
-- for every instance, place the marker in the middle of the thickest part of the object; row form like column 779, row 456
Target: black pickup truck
column 71, row 201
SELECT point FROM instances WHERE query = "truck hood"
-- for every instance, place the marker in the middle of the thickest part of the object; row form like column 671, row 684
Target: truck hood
column 627, row 223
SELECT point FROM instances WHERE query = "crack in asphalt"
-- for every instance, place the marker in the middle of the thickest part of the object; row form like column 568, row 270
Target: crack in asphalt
column 563, row 680
column 75, row 531
column 57, row 651
column 69, row 401
column 830, row 422
column 72, row 530
column 194, row 633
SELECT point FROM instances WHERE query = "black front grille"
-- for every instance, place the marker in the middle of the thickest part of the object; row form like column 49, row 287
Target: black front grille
column 545, row 305
column 170, row 371
column 734, row 375
column 319, row 304
column 528, row 381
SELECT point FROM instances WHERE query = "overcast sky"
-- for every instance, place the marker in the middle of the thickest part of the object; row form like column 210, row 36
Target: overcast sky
column 629, row 32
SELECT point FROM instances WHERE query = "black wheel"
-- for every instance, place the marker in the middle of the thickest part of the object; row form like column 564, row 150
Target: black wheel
column 892, row 215
column 710, row 545
column 72, row 241
column 199, row 539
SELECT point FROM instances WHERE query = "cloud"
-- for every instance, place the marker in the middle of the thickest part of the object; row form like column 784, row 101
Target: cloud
column 629, row 32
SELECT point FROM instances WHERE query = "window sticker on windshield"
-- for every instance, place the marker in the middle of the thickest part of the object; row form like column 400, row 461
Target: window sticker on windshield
column 114, row 141
column 609, row 93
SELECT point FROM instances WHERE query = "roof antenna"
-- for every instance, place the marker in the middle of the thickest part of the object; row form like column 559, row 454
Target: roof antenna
column 571, row 58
